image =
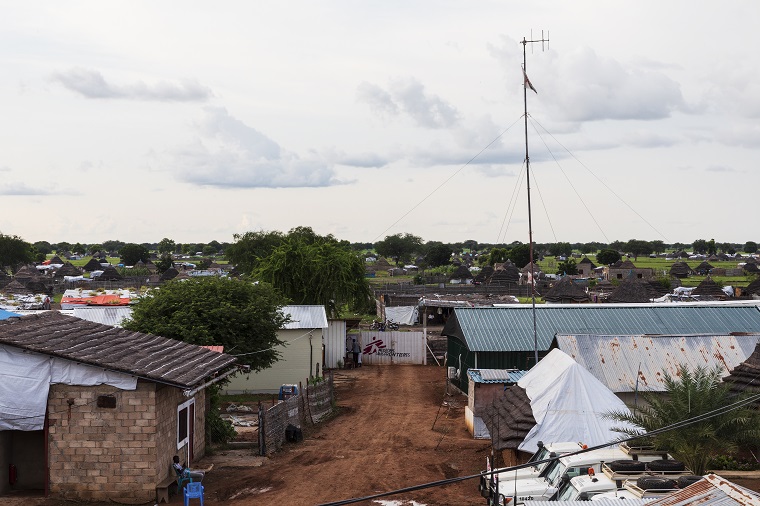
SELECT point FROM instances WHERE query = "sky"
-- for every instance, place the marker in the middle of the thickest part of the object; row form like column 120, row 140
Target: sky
column 194, row 121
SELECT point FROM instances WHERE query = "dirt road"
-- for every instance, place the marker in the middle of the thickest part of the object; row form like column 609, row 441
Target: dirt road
column 382, row 440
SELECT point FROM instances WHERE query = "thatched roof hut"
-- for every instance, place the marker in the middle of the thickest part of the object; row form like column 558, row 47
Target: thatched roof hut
column 169, row 273
column 751, row 268
column 484, row 274
column 566, row 291
column 110, row 274
column 92, row 265
column 68, row 269
column 753, row 288
column 462, row 273
column 509, row 419
column 632, row 290
column 508, row 274
column 709, row 290
column 703, row 269
column 15, row 287
column 743, row 377
column 681, row 270
column 56, row 260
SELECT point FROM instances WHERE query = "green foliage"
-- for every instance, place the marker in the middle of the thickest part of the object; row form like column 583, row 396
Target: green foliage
column 750, row 247
column 607, row 256
column 107, row 245
column 567, row 267
column 317, row 270
column 437, row 253
column 15, row 252
column 218, row 430
column 520, row 255
column 498, row 256
column 699, row 246
column 43, row 247
column 728, row 462
column 166, row 245
column 164, row 262
column 132, row 253
column 249, row 248
column 560, row 249
column 637, row 247
column 691, row 394
column 399, row 247
column 241, row 316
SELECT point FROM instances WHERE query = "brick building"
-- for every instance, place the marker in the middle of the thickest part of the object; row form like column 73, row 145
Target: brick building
column 94, row 412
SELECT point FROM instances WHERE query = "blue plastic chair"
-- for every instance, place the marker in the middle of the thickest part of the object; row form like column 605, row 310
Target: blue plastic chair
column 193, row 490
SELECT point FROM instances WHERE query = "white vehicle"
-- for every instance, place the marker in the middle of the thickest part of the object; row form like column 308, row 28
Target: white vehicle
column 546, row 484
column 544, row 452
column 584, row 487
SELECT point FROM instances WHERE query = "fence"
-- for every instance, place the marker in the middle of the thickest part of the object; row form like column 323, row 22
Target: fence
column 393, row 347
column 311, row 405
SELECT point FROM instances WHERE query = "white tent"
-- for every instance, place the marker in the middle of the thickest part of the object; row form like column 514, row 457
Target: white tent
column 568, row 403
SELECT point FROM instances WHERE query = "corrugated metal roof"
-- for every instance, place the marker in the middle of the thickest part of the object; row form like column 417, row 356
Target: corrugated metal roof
column 305, row 317
column 597, row 502
column 713, row 490
column 106, row 315
column 495, row 375
column 511, row 328
column 147, row 356
column 617, row 361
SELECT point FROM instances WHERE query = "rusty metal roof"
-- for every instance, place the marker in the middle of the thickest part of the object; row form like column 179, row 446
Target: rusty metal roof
column 619, row 361
column 713, row 490
column 154, row 358
column 511, row 328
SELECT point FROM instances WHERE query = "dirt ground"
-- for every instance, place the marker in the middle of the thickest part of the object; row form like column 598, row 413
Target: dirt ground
column 395, row 427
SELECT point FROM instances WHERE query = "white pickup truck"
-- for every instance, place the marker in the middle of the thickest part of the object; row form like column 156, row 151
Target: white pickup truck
column 547, row 483
column 544, row 452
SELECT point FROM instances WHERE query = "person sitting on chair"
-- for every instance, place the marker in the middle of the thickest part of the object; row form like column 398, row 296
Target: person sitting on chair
column 186, row 471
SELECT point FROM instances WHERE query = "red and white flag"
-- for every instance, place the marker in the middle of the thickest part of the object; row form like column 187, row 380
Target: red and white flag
column 527, row 83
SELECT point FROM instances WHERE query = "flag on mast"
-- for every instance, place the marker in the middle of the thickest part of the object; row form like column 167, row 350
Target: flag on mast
column 527, row 83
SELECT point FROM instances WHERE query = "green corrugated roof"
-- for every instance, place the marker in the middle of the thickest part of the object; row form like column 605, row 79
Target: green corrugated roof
column 511, row 328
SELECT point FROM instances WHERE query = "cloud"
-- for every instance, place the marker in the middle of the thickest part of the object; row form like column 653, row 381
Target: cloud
column 4, row 168
column 92, row 84
column 17, row 189
column 366, row 160
column 231, row 154
column 720, row 168
column 410, row 97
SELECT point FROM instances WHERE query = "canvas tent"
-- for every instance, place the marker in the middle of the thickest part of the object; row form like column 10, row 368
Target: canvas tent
column 563, row 417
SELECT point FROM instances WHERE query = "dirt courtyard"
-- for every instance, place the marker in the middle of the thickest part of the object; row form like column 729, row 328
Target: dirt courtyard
column 382, row 439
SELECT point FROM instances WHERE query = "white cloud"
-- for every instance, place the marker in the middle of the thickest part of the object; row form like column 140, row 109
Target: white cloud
column 410, row 97
column 231, row 154
column 16, row 188
column 92, row 84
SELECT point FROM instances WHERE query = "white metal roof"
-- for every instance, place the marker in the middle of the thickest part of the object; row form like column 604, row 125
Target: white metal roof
column 305, row 317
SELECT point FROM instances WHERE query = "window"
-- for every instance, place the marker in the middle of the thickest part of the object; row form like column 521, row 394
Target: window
column 185, row 412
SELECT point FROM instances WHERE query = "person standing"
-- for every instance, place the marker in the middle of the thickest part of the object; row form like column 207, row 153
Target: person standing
column 356, row 349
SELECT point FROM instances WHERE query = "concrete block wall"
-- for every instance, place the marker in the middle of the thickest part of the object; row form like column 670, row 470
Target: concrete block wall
column 102, row 454
column 167, row 400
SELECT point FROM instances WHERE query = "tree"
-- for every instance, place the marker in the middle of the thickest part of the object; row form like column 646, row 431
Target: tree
column 164, row 262
column 43, row 247
column 399, row 247
column 690, row 394
column 251, row 247
column 700, row 246
column 520, row 255
column 498, row 256
column 325, row 272
column 750, row 247
column 113, row 245
column 14, row 252
column 558, row 249
column 658, row 246
column 607, row 256
column 711, row 248
column 243, row 317
column 567, row 267
column 638, row 247
column 437, row 254
column 130, row 254
column 166, row 245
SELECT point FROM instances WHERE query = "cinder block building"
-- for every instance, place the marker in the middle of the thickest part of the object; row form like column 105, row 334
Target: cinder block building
column 93, row 412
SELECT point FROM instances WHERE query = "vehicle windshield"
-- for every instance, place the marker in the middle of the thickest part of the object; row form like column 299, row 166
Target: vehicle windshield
column 541, row 454
column 566, row 492
column 553, row 471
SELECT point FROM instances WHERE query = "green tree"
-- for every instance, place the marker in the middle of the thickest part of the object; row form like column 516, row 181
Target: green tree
column 113, row 245
column 249, row 248
column 560, row 249
column 690, row 394
column 658, row 246
column 498, row 256
column 399, row 247
column 437, row 253
column 519, row 254
column 750, row 247
column 711, row 248
column 166, row 245
column 130, row 254
column 164, row 262
column 325, row 272
column 14, row 252
column 62, row 246
column 638, row 247
column 567, row 267
column 607, row 256
column 700, row 246
column 209, row 250
column 243, row 317
column 43, row 247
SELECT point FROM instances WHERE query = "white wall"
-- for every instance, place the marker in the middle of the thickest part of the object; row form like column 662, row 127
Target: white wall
column 395, row 347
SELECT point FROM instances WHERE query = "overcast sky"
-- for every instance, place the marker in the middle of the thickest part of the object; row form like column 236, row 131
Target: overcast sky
column 136, row 121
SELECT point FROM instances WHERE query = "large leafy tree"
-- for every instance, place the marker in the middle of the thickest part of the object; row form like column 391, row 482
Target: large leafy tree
column 607, row 256
column 166, row 245
column 520, row 255
column 638, row 247
column 437, row 253
column 399, row 247
column 567, row 267
column 690, row 394
column 750, row 247
column 243, row 317
column 249, row 248
column 14, row 252
column 130, row 254
column 316, row 270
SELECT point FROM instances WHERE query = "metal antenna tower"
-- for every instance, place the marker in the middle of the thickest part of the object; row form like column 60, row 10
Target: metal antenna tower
column 527, row 84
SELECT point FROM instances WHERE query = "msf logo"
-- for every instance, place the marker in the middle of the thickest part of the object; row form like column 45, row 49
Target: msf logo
column 373, row 347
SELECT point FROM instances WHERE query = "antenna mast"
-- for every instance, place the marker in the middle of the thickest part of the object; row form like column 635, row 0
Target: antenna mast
column 526, row 83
